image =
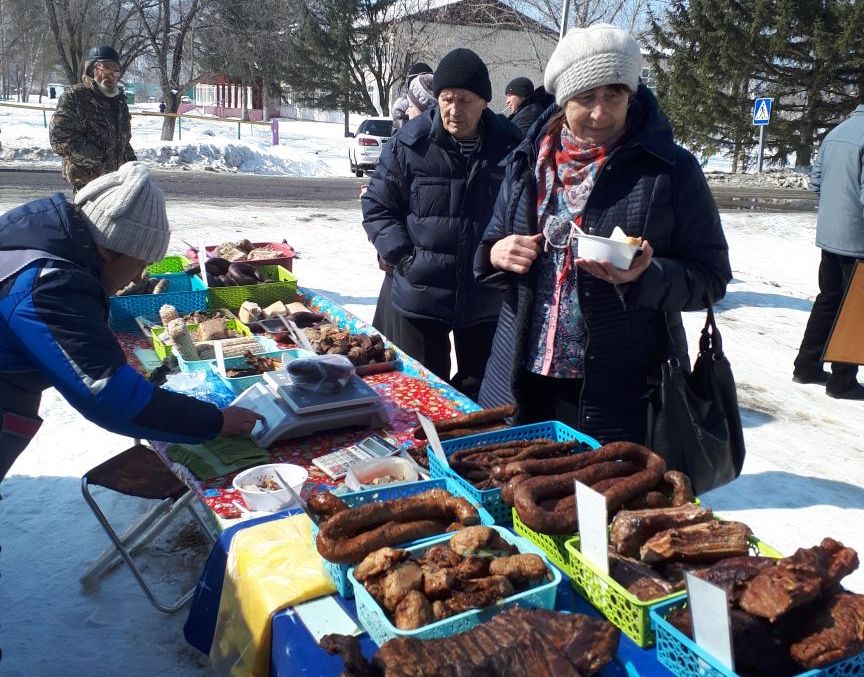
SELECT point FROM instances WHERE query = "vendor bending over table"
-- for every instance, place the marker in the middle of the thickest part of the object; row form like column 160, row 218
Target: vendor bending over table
column 58, row 263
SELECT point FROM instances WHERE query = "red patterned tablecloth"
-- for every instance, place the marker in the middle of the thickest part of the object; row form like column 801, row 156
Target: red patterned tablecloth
column 401, row 394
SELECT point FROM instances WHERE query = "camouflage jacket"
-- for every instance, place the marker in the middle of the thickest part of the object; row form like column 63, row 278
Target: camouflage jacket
column 91, row 132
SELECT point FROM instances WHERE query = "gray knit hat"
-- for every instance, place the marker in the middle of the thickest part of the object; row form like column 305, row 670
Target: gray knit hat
column 420, row 92
column 126, row 211
column 592, row 57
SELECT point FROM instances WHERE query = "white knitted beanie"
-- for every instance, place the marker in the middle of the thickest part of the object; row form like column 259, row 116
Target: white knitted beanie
column 592, row 57
column 126, row 210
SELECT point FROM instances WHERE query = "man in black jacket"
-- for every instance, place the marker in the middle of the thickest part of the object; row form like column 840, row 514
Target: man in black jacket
column 426, row 208
column 526, row 104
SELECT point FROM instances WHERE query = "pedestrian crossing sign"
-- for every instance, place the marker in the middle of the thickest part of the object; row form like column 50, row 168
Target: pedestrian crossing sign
column 762, row 111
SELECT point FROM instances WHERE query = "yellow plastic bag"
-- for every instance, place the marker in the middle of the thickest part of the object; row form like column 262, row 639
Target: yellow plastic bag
column 271, row 566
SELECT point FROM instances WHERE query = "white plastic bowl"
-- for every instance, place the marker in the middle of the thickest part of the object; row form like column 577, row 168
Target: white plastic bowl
column 619, row 254
column 271, row 501
column 361, row 475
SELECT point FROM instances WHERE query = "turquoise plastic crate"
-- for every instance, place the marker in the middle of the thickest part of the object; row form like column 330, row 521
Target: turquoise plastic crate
column 185, row 292
column 269, row 345
column 240, row 383
column 339, row 572
column 491, row 498
column 374, row 619
column 682, row 656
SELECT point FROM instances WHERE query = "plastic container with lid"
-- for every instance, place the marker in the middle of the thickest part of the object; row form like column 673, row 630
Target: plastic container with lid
column 362, row 475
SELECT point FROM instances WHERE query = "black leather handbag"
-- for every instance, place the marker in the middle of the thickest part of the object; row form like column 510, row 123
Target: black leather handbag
column 693, row 419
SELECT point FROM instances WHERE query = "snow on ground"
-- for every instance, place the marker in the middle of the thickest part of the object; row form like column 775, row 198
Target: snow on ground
column 802, row 478
column 305, row 148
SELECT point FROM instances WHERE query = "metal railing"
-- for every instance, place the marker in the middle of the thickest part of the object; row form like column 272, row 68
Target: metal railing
column 272, row 126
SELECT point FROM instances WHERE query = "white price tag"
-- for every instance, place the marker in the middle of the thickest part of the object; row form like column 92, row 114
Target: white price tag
column 709, row 609
column 432, row 436
column 202, row 259
column 220, row 357
column 593, row 525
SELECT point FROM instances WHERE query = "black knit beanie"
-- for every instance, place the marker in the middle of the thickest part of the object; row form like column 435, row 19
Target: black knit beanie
column 520, row 87
column 418, row 69
column 463, row 69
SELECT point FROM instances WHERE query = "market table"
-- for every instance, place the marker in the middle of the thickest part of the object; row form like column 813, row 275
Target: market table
column 404, row 391
column 410, row 388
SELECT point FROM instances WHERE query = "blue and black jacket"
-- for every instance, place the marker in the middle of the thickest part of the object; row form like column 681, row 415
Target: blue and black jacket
column 54, row 332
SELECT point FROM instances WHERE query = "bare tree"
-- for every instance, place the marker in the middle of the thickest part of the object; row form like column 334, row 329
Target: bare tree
column 78, row 25
column 169, row 26
column 627, row 14
column 22, row 48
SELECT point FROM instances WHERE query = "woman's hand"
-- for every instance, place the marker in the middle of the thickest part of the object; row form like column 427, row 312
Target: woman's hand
column 239, row 421
column 609, row 273
column 516, row 253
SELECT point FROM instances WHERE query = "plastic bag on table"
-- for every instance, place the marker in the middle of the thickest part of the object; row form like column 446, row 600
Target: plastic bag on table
column 321, row 373
column 270, row 566
column 201, row 385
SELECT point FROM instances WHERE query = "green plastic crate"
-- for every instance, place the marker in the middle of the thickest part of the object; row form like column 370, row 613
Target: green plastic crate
column 170, row 264
column 552, row 545
column 164, row 349
column 281, row 286
column 618, row 605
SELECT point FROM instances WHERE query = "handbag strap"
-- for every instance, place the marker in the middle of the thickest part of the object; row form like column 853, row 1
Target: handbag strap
column 710, row 341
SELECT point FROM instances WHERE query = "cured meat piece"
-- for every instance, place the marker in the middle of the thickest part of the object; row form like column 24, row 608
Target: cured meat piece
column 414, row 611
column 706, row 542
column 480, row 540
column 832, row 631
column 483, row 418
column 521, row 568
column 639, row 578
column 732, row 573
column 325, row 504
column 379, row 562
column 631, row 528
column 798, row 580
column 399, row 582
column 535, row 642
column 758, row 646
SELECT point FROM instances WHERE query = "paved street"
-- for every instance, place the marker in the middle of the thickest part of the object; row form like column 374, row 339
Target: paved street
column 20, row 185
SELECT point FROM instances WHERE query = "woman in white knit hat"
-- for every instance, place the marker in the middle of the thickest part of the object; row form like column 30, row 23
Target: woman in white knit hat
column 578, row 339
column 59, row 261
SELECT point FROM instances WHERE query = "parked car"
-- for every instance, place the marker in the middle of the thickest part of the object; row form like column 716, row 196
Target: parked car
column 370, row 136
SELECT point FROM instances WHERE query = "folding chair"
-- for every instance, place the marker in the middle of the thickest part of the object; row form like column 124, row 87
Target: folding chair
column 138, row 472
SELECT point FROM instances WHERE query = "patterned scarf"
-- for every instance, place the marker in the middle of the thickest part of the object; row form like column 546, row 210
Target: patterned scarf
column 567, row 165
column 568, row 168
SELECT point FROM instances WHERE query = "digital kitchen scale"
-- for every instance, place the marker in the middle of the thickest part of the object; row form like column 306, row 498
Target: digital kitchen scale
column 282, row 422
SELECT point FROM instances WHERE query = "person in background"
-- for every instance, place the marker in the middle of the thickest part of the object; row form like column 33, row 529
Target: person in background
column 420, row 98
column 162, row 106
column 59, row 261
column 837, row 177
column 579, row 340
column 399, row 111
column 525, row 103
column 427, row 205
column 91, row 128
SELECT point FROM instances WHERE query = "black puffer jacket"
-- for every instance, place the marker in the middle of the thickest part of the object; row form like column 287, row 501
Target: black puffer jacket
column 531, row 109
column 425, row 212
column 651, row 188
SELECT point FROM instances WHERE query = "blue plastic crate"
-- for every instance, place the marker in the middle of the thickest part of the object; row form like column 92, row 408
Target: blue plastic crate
column 339, row 572
column 491, row 498
column 185, row 292
column 374, row 619
column 268, row 345
column 682, row 656
column 240, row 383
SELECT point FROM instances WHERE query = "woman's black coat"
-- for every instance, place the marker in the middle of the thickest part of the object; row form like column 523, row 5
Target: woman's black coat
column 651, row 188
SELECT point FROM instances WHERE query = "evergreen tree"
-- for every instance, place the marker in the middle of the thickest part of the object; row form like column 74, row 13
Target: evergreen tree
column 713, row 57
column 705, row 57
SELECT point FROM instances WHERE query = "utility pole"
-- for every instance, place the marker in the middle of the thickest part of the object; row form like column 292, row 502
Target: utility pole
column 565, row 14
